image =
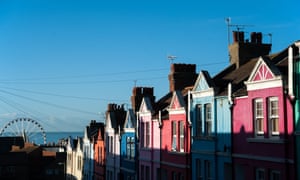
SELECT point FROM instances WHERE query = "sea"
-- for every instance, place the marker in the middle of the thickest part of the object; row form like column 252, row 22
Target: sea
column 54, row 137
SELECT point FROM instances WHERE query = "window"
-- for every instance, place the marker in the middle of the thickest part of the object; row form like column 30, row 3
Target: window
column 198, row 170
column 142, row 134
column 198, row 120
column 147, row 173
column 181, row 133
column 259, row 174
column 275, row 175
column 99, row 155
column 273, row 116
column 174, row 176
column 208, row 172
column 208, row 123
column 147, row 134
column 142, row 172
column 174, row 136
column 130, row 147
column 258, row 117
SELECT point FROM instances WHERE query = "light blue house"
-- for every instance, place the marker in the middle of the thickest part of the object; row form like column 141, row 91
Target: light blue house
column 129, row 159
column 211, row 130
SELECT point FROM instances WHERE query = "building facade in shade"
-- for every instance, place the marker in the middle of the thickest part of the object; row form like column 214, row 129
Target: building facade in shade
column 88, row 155
column 99, row 154
column 263, row 142
column 129, row 160
column 211, row 130
column 115, row 118
column 175, row 138
column 149, row 141
column 294, row 51
column 74, row 164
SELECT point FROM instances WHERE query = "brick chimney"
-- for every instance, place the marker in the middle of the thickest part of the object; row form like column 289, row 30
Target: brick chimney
column 181, row 76
column 242, row 50
column 137, row 96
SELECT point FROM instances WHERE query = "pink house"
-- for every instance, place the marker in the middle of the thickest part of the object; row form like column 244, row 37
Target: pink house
column 149, row 141
column 262, row 124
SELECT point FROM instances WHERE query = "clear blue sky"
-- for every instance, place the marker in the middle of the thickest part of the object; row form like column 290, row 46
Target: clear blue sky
column 63, row 61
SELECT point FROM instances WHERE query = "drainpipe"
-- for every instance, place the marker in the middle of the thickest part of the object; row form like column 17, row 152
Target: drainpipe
column 230, row 101
column 160, row 149
column 290, row 73
column 188, row 142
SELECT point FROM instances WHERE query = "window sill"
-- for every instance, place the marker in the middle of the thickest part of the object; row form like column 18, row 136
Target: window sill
column 177, row 152
column 273, row 140
column 205, row 138
column 129, row 160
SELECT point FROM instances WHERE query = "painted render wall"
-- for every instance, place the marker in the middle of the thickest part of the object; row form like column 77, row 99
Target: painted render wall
column 262, row 152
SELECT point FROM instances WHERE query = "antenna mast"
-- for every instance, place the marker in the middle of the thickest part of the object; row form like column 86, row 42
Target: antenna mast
column 171, row 58
column 237, row 26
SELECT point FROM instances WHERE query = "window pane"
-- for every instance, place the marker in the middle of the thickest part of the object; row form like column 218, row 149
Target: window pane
column 199, row 120
column 208, row 123
column 174, row 136
column 181, row 125
column 273, row 115
column 258, row 117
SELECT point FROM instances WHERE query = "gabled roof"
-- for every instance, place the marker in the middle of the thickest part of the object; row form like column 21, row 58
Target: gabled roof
column 130, row 121
column 203, row 82
column 146, row 105
column 177, row 101
column 263, row 70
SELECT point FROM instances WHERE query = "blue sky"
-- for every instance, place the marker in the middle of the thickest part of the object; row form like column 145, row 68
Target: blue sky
column 63, row 61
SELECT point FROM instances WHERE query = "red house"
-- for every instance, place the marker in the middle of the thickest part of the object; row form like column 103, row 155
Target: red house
column 99, row 155
column 175, row 140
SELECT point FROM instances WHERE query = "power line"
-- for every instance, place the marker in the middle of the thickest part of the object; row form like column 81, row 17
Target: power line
column 50, row 104
column 60, row 95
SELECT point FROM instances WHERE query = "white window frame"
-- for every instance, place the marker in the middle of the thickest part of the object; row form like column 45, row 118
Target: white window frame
column 208, row 119
column 198, row 170
column 273, row 116
column 148, row 137
column 258, row 174
column 174, row 135
column 208, row 170
column 274, row 174
column 258, row 117
column 181, row 136
column 199, row 120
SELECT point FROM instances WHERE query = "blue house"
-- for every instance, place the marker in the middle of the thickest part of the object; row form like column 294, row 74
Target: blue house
column 129, row 159
column 211, row 130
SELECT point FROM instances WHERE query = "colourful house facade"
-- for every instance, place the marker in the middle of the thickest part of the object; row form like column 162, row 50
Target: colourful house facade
column 99, row 154
column 175, row 140
column 115, row 117
column 294, row 52
column 263, row 146
column 149, row 142
column 211, row 131
column 129, row 161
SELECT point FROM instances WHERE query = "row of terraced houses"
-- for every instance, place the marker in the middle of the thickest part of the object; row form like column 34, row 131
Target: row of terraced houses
column 242, row 123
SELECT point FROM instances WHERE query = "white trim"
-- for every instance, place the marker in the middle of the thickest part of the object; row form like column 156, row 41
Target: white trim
column 129, row 130
column 265, row 84
column 176, row 111
column 263, row 158
column 204, row 93
column 175, row 165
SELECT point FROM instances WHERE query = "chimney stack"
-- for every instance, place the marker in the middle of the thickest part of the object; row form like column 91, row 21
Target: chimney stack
column 138, row 93
column 242, row 51
column 181, row 76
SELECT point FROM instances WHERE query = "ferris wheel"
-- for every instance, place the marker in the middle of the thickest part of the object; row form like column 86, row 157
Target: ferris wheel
column 29, row 129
